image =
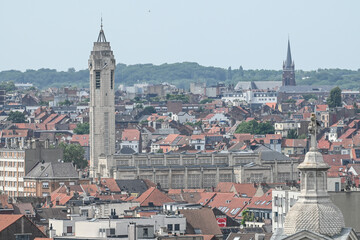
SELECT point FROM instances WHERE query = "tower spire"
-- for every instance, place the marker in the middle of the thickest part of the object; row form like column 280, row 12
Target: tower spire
column 101, row 37
column 288, row 57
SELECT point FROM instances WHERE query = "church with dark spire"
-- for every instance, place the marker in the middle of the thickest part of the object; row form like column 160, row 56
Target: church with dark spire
column 288, row 77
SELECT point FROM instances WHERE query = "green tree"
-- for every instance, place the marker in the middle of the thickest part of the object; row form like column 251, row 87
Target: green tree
column 7, row 86
column 160, row 151
column 253, row 127
column 65, row 103
column 148, row 110
column 247, row 216
column 334, row 100
column 292, row 134
column 204, row 101
column 16, row 117
column 82, row 128
column 74, row 153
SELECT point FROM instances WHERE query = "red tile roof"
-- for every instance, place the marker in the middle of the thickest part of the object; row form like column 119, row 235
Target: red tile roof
column 154, row 196
column 335, row 159
column 206, row 197
column 178, row 191
column 10, row 133
column 348, row 133
column 321, row 108
column 7, row 219
column 263, row 202
column 50, row 118
column 130, row 135
column 229, row 203
column 247, row 189
column 302, row 143
column 82, row 139
column 323, row 144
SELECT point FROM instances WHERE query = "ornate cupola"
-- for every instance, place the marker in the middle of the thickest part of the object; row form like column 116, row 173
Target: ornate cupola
column 314, row 211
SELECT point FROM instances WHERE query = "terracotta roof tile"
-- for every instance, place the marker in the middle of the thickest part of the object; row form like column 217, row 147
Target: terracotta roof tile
column 263, row 202
column 154, row 196
column 130, row 135
column 82, row 139
column 8, row 219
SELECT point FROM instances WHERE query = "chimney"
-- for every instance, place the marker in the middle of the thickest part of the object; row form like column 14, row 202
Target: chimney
column 52, row 232
column 17, row 143
column 132, row 231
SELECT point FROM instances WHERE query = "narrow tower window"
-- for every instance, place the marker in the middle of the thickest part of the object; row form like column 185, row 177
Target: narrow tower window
column 97, row 79
column 112, row 79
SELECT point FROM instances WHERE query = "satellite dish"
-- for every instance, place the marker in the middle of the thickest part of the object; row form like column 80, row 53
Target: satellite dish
column 241, row 226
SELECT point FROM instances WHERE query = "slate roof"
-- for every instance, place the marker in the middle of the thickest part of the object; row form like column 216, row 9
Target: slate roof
column 267, row 154
column 24, row 208
column 132, row 186
column 305, row 89
column 53, row 170
column 258, row 85
column 195, row 220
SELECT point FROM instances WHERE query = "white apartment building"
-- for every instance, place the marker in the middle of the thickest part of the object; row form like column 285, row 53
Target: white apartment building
column 283, row 128
column 251, row 96
column 282, row 201
column 102, row 228
column 12, row 172
column 15, row 163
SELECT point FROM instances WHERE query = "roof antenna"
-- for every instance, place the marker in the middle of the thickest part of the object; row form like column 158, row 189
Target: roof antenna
column 101, row 22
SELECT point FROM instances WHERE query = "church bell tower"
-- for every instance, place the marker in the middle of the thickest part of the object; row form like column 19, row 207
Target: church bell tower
column 288, row 76
column 102, row 109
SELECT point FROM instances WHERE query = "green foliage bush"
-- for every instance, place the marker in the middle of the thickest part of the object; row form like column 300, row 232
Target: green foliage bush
column 253, row 127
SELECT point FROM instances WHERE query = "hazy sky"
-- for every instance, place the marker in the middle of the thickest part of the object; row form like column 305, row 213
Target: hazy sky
column 60, row 34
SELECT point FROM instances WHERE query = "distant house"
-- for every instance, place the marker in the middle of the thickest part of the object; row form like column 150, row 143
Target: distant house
column 198, row 142
column 294, row 146
column 183, row 117
column 45, row 177
column 131, row 138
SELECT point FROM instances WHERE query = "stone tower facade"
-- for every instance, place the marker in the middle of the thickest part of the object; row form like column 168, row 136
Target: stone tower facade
column 288, row 77
column 102, row 109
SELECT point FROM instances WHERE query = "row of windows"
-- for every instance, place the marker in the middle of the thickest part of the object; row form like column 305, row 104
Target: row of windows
column 11, row 174
column 12, row 154
column 11, row 164
column 11, row 184
column 186, row 161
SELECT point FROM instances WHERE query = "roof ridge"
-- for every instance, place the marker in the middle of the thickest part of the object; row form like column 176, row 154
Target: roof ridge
column 149, row 193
